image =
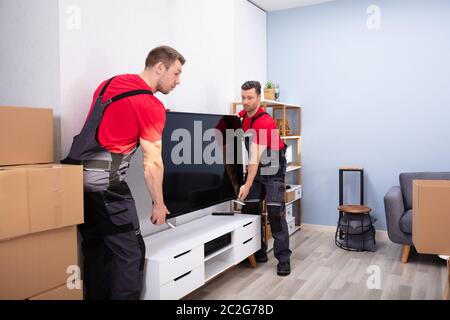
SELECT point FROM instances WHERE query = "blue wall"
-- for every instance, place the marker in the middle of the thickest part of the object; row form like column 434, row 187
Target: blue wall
column 376, row 98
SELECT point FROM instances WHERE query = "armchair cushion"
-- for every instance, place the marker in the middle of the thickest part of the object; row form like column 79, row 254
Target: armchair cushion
column 406, row 222
column 393, row 203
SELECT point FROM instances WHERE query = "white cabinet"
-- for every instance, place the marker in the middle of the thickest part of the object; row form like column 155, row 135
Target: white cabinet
column 175, row 258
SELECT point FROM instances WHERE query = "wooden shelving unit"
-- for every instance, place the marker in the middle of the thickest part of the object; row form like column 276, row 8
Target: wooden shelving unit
column 283, row 111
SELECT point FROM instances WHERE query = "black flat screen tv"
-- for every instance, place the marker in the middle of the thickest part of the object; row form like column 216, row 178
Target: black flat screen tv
column 201, row 161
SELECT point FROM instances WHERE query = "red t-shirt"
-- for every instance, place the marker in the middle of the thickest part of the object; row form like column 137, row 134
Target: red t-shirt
column 127, row 120
column 265, row 129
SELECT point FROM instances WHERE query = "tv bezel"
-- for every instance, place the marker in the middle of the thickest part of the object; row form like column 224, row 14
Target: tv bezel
column 214, row 203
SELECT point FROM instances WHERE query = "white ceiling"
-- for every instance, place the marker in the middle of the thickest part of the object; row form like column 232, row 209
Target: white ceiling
column 273, row 5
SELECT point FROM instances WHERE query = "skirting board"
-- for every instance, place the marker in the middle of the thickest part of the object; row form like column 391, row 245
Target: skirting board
column 379, row 235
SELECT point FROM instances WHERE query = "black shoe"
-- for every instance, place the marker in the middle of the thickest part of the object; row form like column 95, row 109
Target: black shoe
column 284, row 268
column 261, row 258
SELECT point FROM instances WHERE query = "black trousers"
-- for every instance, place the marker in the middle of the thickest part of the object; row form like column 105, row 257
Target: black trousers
column 113, row 248
column 270, row 187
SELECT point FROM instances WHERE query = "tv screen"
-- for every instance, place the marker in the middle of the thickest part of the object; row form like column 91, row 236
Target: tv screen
column 201, row 155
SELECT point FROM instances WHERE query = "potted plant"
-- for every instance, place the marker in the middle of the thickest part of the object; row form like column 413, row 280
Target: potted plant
column 269, row 91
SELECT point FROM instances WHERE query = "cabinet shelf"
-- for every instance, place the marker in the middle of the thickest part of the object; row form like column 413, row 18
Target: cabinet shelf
column 290, row 137
column 291, row 202
column 293, row 167
column 214, row 267
column 212, row 255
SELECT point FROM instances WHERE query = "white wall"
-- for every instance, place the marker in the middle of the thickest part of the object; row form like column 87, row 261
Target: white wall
column 29, row 64
column 59, row 51
column 250, row 45
column 201, row 30
column 99, row 39
column 114, row 38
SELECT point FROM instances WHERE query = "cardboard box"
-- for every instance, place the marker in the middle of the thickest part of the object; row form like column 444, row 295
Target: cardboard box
column 431, row 216
column 37, row 198
column 293, row 193
column 36, row 263
column 26, row 135
column 61, row 293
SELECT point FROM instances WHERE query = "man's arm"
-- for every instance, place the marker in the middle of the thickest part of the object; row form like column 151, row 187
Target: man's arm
column 154, row 172
column 256, row 151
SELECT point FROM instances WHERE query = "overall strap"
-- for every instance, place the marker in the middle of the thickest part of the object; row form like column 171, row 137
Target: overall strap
column 128, row 94
column 254, row 118
column 257, row 117
column 122, row 95
column 105, row 87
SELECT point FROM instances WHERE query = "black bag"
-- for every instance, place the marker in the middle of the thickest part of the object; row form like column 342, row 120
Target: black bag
column 355, row 232
column 355, row 223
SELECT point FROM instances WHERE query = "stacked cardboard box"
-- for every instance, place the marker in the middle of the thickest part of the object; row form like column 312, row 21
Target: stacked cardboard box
column 40, row 205
column 431, row 217
column 431, row 220
column 26, row 136
column 293, row 192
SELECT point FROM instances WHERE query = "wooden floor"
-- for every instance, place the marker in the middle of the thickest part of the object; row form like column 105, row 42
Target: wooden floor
column 321, row 270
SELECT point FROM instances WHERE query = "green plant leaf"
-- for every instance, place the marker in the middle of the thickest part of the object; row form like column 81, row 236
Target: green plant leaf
column 270, row 85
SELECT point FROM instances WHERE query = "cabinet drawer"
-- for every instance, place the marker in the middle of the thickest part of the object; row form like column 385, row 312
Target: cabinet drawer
column 289, row 212
column 291, row 226
column 298, row 193
column 247, row 248
column 247, row 231
column 182, row 285
column 180, row 263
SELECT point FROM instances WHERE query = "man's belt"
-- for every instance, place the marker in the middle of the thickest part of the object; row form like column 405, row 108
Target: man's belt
column 97, row 165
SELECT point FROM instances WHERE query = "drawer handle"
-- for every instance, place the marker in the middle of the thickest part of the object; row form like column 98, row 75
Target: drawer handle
column 248, row 224
column 182, row 254
column 248, row 240
column 182, row 276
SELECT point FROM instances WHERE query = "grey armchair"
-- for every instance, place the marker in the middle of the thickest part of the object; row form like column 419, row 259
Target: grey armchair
column 398, row 208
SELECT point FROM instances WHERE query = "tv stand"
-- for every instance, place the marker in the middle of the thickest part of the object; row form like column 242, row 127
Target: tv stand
column 176, row 263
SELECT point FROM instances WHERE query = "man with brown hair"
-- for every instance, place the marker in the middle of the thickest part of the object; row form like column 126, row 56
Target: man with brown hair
column 124, row 115
column 265, row 174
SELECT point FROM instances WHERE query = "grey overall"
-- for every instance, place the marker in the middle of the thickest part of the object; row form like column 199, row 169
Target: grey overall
column 113, row 248
column 270, row 187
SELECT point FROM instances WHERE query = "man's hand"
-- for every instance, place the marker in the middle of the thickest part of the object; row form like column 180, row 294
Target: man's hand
column 243, row 192
column 159, row 214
